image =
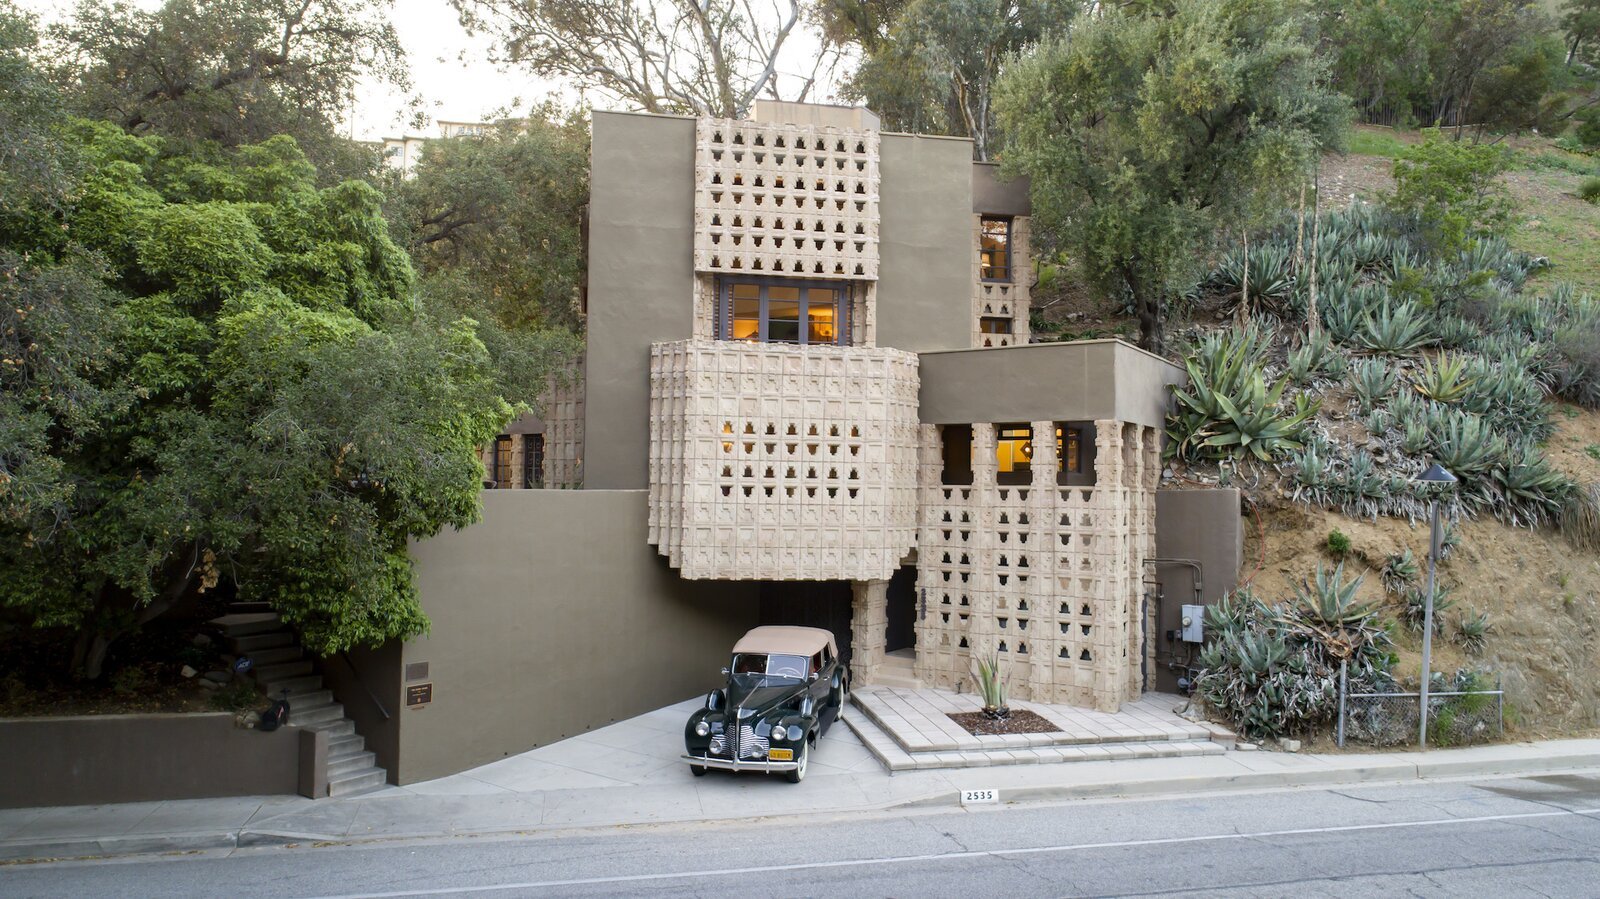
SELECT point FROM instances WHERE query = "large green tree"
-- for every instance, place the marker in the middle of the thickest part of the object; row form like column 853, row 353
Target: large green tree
column 931, row 65
column 214, row 372
column 230, row 72
column 1148, row 130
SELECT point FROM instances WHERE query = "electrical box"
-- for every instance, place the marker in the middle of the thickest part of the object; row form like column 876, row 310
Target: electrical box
column 1194, row 628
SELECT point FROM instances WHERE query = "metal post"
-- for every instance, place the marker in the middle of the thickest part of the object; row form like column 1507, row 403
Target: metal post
column 1427, row 630
column 1344, row 687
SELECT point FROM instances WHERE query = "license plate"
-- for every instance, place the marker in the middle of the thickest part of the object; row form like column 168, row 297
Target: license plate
column 781, row 755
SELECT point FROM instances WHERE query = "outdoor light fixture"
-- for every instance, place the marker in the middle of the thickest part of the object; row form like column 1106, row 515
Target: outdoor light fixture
column 1435, row 476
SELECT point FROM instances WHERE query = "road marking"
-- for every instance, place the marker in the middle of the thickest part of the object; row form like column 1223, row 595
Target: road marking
column 945, row 856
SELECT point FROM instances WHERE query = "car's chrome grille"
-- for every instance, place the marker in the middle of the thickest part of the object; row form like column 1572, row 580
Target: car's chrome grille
column 751, row 746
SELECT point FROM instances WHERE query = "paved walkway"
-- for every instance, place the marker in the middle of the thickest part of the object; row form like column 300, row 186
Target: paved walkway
column 629, row 773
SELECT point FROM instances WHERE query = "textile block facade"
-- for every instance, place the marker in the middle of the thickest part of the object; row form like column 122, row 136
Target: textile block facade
column 1046, row 577
column 786, row 200
column 996, row 301
column 782, row 462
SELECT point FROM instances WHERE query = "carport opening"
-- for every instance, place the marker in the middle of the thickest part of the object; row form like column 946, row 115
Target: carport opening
column 824, row 604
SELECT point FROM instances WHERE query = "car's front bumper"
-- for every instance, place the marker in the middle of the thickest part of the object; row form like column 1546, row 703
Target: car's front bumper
column 762, row 765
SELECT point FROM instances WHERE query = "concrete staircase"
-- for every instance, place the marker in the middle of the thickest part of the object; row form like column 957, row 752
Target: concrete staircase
column 279, row 664
column 896, row 670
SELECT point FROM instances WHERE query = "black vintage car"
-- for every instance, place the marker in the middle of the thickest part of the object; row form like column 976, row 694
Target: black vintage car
column 786, row 687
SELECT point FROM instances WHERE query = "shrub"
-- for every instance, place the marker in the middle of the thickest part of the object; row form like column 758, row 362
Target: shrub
column 1580, row 518
column 1589, row 190
column 1450, row 189
column 1338, row 542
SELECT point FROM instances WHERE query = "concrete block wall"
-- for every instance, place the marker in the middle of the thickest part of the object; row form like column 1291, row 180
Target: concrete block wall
column 563, row 434
column 787, row 200
column 779, row 462
column 1002, row 299
column 1048, row 577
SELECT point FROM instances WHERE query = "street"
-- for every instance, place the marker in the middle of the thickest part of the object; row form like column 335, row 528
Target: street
column 1537, row 836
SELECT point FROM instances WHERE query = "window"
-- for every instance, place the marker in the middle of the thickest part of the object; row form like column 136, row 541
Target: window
column 994, row 249
column 1014, row 454
column 991, row 324
column 1075, row 453
column 533, row 460
column 502, row 461
column 956, row 451
column 803, row 312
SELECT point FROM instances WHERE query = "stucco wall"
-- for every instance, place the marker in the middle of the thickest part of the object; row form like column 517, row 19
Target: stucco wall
column 992, row 196
column 99, row 759
column 551, row 617
column 1083, row 380
column 1203, row 525
column 641, row 281
column 925, row 243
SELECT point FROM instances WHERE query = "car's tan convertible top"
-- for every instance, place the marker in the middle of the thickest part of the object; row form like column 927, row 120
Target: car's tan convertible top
column 800, row 641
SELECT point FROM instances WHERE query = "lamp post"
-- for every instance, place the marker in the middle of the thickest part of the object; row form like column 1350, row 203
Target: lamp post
column 1437, row 477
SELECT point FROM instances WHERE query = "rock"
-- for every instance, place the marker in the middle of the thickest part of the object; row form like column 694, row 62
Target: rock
column 207, row 685
column 218, row 677
column 1288, row 745
column 247, row 719
column 200, row 640
column 187, row 672
column 1242, row 746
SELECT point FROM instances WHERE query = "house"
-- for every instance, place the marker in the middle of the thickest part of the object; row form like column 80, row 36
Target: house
column 808, row 396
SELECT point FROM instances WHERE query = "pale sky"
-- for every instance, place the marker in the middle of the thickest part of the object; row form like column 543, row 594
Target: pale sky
column 451, row 72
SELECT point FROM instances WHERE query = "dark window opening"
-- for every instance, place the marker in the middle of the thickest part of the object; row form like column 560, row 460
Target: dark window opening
column 788, row 311
column 992, row 324
column 994, row 248
column 1014, row 454
column 502, row 462
column 956, row 449
column 533, row 460
column 1075, row 453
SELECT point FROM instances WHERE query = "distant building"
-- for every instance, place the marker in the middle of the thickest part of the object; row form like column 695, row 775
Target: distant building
column 404, row 152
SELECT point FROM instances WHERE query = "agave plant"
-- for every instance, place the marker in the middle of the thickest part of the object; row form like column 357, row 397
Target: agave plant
column 1533, row 491
column 1228, row 409
column 1456, row 332
column 1397, row 328
column 1372, row 382
column 1400, row 571
column 1270, row 270
column 1445, row 379
column 1359, row 487
column 1414, row 440
column 1415, row 605
column 1472, row 631
column 1311, row 359
column 992, row 685
column 1464, row 444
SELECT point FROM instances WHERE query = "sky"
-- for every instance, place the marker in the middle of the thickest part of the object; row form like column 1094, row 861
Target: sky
column 450, row 71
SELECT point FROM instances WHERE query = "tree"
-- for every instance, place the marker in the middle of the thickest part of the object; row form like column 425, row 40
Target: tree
column 1149, row 131
column 496, row 218
column 216, row 374
column 230, row 72
column 1580, row 20
column 934, row 67
column 1451, row 190
column 704, row 57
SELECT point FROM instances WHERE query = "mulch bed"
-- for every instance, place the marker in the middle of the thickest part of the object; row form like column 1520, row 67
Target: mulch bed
column 1020, row 722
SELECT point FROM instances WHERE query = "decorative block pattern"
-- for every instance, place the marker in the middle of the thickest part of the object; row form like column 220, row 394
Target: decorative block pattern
column 1050, row 577
column 786, row 200
column 1002, row 299
column 779, row 462
column 563, row 432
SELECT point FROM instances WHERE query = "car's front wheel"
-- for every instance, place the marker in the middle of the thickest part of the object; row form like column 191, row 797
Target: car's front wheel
column 801, row 759
column 697, row 770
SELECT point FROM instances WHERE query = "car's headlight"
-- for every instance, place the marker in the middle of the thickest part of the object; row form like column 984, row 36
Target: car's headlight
column 794, row 732
column 701, row 728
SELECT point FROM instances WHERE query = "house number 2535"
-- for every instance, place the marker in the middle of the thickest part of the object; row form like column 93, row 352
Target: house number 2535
column 968, row 797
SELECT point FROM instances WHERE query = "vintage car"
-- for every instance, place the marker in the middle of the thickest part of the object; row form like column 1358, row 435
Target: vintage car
column 786, row 687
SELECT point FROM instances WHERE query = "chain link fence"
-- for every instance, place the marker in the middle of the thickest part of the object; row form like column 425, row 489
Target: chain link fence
column 1455, row 718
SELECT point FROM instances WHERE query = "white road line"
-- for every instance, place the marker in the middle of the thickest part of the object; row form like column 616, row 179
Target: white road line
column 944, row 856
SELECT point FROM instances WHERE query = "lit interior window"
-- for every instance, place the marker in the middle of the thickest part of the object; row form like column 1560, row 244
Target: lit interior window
column 1014, row 448
column 1069, row 449
column 995, row 249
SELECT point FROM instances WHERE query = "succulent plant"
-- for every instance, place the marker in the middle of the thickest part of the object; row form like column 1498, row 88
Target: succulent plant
column 1397, row 328
column 1372, row 381
column 1228, row 409
column 1414, row 610
column 1472, row 631
column 1534, row 492
column 1400, row 570
column 1444, row 379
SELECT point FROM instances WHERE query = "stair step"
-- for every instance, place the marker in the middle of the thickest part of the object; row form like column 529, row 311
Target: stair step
column 309, row 683
column 891, row 679
column 357, row 782
column 247, row 623
column 355, row 761
column 334, row 729
column 275, row 656
column 319, row 715
column 346, row 743
column 246, row 607
column 256, row 642
column 282, row 670
column 308, row 701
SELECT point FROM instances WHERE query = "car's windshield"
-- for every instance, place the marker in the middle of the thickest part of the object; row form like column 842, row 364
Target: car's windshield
column 769, row 665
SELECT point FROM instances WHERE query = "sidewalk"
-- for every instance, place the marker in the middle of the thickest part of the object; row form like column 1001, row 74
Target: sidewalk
column 629, row 773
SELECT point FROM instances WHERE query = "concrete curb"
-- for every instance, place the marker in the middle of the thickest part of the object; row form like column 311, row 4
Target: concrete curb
column 1469, row 763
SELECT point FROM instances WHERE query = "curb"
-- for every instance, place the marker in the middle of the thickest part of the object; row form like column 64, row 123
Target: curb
column 19, row 852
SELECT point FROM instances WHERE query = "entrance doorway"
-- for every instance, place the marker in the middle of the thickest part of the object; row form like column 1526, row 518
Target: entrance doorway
column 902, row 629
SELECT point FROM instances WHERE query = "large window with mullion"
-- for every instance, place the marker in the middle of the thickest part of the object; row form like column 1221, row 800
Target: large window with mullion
column 783, row 311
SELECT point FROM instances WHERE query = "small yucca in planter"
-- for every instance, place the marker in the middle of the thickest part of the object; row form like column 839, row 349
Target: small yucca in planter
column 991, row 684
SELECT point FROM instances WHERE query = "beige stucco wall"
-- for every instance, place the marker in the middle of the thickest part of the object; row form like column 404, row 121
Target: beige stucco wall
column 1082, row 380
column 925, row 249
column 641, row 281
column 551, row 617
column 993, row 196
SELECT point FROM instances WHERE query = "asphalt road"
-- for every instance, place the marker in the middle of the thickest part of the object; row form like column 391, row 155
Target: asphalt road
column 1535, row 836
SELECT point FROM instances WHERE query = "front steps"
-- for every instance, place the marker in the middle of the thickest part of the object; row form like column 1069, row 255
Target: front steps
column 904, row 731
column 897, row 671
column 279, row 664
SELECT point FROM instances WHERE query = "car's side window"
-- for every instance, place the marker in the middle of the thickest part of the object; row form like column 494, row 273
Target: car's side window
column 816, row 662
